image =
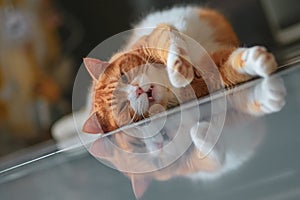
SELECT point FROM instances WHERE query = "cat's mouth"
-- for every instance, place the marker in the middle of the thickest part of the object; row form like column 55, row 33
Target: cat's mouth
column 145, row 99
column 150, row 94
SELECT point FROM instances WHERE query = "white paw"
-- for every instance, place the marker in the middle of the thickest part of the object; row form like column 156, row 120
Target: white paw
column 259, row 62
column 270, row 94
column 179, row 67
column 206, row 141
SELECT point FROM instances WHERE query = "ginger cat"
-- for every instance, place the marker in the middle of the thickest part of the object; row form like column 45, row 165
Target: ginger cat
column 125, row 88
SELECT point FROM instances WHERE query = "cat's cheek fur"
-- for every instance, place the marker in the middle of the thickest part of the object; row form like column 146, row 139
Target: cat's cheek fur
column 123, row 117
column 159, row 93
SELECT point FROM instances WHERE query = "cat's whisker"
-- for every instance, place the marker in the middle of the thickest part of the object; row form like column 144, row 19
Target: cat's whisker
column 143, row 116
column 134, row 115
column 147, row 63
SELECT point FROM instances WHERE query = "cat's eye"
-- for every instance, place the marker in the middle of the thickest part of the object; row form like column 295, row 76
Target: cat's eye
column 124, row 78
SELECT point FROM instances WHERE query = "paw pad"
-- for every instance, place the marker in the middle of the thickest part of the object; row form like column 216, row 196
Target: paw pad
column 259, row 62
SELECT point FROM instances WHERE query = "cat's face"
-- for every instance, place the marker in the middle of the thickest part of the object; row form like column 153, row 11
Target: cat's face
column 140, row 88
column 130, row 90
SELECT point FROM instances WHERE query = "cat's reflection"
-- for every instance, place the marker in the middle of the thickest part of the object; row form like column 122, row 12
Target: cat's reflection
column 209, row 154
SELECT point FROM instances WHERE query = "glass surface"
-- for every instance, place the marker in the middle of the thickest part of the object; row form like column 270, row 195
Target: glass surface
column 271, row 171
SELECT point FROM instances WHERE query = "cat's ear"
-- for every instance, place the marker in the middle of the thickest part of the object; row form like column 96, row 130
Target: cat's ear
column 139, row 184
column 102, row 148
column 92, row 125
column 95, row 67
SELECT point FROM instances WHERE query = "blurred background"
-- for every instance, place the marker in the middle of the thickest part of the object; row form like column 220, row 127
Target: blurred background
column 42, row 43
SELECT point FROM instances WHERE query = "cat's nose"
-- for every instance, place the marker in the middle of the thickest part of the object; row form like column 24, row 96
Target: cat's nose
column 139, row 91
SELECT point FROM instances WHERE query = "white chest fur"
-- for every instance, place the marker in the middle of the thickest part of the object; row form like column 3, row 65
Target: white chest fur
column 185, row 19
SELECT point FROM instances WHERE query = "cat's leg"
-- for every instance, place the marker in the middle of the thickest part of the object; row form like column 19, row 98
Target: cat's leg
column 254, row 61
column 168, row 46
column 237, row 65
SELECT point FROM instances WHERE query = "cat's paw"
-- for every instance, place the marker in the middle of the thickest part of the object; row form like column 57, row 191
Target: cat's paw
column 205, row 140
column 258, row 61
column 179, row 67
column 269, row 96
